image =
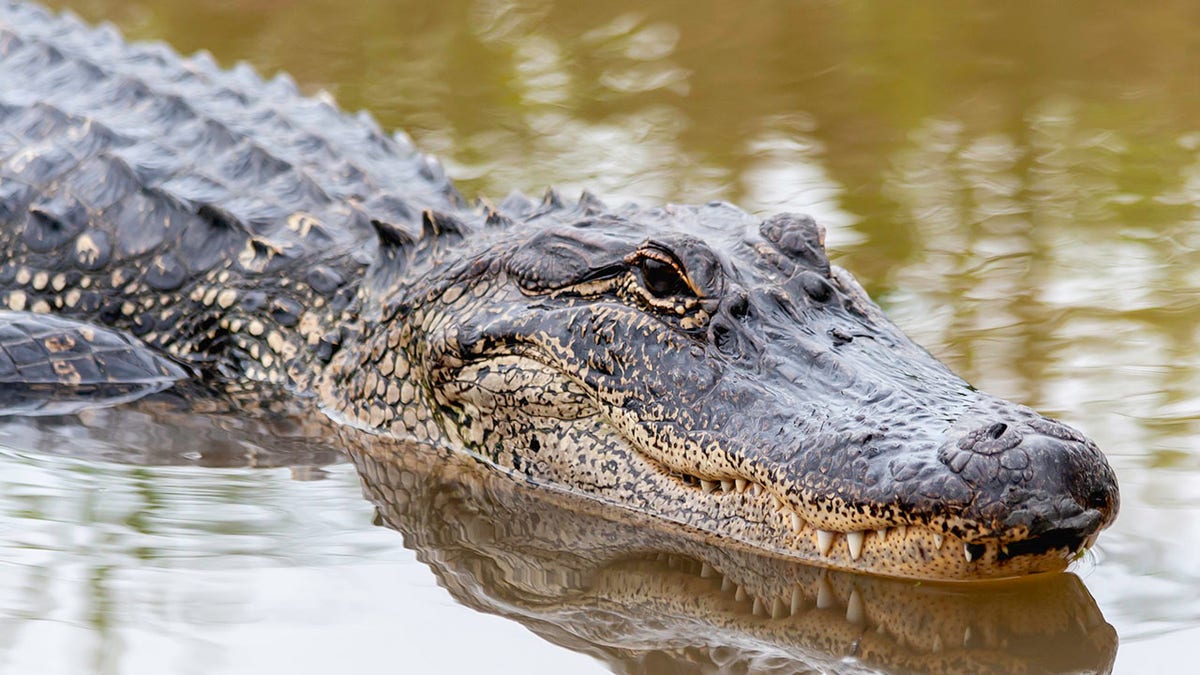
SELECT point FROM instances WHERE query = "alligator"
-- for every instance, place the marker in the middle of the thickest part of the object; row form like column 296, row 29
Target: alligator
column 163, row 220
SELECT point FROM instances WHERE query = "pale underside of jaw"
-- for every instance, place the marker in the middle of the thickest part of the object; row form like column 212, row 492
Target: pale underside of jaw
column 907, row 550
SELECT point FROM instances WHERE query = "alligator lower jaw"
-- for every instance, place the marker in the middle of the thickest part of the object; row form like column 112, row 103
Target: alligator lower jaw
column 921, row 553
column 751, row 515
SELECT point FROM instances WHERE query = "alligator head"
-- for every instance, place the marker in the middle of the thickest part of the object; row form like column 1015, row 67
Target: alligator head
column 716, row 371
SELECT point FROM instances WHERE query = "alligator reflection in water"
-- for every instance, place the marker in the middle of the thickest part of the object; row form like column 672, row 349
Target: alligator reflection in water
column 613, row 585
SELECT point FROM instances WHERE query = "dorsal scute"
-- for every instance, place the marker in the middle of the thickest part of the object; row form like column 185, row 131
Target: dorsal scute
column 438, row 227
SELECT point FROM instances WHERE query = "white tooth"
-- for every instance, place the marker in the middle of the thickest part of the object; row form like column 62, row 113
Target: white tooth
column 758, row 608
column 740, row 595
column 777, row 609
column 966, row 636
column 825, row 597
column 708, row 485
column 741, row 484
column 797, row 522
column 937, row 644
column 776, row 501
column 938, row 540
column 797, row 599
column 706, row 571
column 967, row 552
column 881, row 533
column 855, row 541
column 726, row 485
column 756, row 489
column 854, row 608
column 824, row 541
column 726, row 584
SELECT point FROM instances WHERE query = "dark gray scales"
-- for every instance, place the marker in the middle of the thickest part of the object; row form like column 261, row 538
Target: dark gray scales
column 128, row 173
column 50, row 365
column 98, row 135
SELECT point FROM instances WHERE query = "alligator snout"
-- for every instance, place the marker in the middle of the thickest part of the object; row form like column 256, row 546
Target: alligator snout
column 1043, row 476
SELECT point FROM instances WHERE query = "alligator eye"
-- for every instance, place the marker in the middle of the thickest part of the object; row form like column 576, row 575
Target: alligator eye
column 661, row 278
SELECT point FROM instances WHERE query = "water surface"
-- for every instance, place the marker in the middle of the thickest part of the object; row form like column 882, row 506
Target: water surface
column 1017, row 184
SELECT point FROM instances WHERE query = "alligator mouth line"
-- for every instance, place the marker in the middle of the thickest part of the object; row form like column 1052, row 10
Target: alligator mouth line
column 862, row 548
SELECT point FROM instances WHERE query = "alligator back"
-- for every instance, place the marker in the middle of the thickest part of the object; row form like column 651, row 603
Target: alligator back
column 191, row 206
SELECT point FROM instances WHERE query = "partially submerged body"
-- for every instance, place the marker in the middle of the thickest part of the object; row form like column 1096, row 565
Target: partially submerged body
column 696, row 364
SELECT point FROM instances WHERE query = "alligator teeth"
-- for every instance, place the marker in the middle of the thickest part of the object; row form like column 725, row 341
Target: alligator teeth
column 708, row 485
column 881, row 533
column 740, row 595
column 758, row 608
column 726, row 584
column 938, row 540
column 706, row 571
column 967, row 552
column 855, row 541
column 797, row 599
column 797, row 522
column 902, row 530
column 824, row 541
column 756, row 489
column 726, row 485
column 824, row 593
column 855, row 613
column 775, row 500
column 778, row 610
column 741, row 484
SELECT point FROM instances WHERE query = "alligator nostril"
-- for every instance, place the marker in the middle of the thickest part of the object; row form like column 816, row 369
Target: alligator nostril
column 997, row 430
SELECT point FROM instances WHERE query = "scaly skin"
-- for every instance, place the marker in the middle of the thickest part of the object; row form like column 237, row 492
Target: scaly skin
column 693, row 363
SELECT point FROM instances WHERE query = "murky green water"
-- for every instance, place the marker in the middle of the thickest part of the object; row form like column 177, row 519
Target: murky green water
column 1017, row 183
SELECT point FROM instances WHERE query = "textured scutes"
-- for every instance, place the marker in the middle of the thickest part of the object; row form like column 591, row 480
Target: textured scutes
column 800, row 238
column 50, row 365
